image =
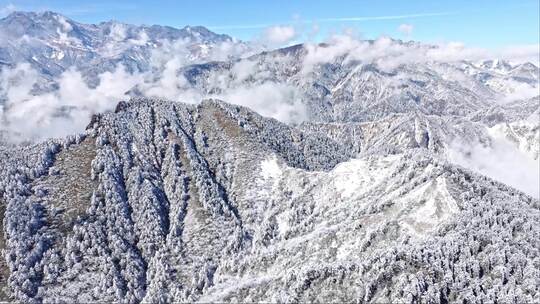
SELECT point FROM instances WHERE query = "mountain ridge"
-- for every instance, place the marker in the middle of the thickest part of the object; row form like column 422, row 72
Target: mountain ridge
column 198, row 203
column 62, row 43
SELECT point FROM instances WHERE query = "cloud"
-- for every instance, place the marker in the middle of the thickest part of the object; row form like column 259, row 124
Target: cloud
column 142, row 38
column 27, row 115
column 276, row 100
column 384, row 51
column 7, row 9
column 279, row 35
column 66, row 26
column 169, row 84
column 502, row 161
column 118, row 32
column 388, row 53
column 405, row 29
column 60, row 112
column 518, row 91
column 232, row 49
column 65, row 110
column 268, row 98
column 455, row 51
column 521, row 53
column 242, row 70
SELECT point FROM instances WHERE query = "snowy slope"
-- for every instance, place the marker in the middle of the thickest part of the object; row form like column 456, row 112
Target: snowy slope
column 172, row 202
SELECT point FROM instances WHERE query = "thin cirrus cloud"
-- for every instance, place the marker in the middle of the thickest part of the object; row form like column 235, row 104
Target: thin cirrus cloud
column 390, row 17
column 340, row 19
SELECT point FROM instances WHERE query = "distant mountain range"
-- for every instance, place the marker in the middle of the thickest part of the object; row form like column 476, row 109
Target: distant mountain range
column 52, row 43
column 344, row 90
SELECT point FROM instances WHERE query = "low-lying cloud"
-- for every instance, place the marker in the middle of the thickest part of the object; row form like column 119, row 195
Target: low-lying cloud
column 7, row 9
column 502, row 161
column 67, row 108
column 27, row 115
column 62, row 111
column 391, row 53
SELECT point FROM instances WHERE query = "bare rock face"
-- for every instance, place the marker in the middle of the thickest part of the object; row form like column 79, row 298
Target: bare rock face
column 169, row 202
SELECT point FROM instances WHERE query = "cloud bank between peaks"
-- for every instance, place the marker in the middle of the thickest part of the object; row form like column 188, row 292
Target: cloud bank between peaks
column 67, row 109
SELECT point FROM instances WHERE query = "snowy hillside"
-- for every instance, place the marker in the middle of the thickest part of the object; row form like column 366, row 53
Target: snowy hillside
column 166, row 202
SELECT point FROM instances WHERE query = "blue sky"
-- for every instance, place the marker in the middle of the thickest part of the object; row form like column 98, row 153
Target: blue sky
column 480, row 23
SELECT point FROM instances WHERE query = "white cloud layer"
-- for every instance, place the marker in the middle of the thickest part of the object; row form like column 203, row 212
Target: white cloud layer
column 388, row 53
column 502, row 161
column 521, row 53
column 63, row 111
column 67, row 109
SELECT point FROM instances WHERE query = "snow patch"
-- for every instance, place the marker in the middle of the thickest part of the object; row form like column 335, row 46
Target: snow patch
column 436, row 205
column 358, row 176
column 57, row 55
column 283, row 222
column 270, row 168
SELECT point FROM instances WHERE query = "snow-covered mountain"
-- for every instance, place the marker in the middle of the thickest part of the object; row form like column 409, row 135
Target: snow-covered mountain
column 53, row 43
column 352, row 171
column 165, row 202
column 346, row 89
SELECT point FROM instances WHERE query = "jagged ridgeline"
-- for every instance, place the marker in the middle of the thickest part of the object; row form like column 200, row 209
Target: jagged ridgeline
column 169, row 202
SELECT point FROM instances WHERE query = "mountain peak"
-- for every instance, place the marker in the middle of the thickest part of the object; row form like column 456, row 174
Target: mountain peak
column 202, row 31
column 51, row 14
column 43, row 15
column 497, row 65
column 19, row 14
